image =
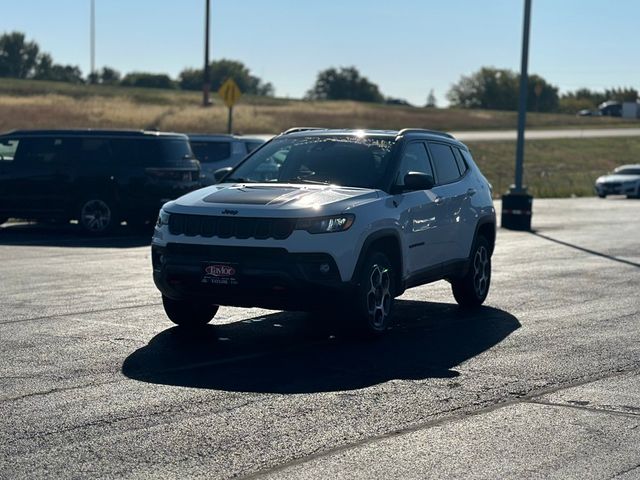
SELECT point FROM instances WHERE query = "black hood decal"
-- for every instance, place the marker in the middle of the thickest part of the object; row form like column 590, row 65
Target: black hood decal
column 248, row 195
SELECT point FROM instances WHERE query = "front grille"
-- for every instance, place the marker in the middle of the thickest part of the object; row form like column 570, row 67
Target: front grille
column 228, row 227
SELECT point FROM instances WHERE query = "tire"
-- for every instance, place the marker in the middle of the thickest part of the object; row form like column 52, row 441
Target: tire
column 602, row 195
column 472, row 289
column 188, row 314
column 374, row 300
column 97, row 216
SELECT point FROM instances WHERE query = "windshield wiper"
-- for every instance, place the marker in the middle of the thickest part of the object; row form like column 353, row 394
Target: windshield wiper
column 306, row 180
column 238, row 180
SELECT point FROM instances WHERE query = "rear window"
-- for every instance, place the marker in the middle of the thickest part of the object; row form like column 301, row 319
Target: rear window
column 462, row 166
column 209, row 152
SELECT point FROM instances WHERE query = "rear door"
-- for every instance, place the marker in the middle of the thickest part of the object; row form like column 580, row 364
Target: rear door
column 456, row 220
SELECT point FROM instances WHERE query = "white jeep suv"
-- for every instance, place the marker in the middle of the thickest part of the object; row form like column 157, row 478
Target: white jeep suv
column 329, row 219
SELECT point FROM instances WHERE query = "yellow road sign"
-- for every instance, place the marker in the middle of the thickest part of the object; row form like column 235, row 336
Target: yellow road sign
column 229, row 92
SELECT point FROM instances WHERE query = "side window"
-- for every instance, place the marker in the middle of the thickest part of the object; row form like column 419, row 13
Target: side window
column 8, row 149
column 444, row 162
column 42, row 151
column 414, row 159
column 462, row 165
column 238, row 148
column 251, row 146
column 95, row 150
column 124, row 151
column 208, row 152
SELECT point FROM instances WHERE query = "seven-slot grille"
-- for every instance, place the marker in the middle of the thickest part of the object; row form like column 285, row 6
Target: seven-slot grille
column 227, row 227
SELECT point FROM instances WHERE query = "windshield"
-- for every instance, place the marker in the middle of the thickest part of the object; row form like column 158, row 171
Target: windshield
column 627, row 171
column 337, row 160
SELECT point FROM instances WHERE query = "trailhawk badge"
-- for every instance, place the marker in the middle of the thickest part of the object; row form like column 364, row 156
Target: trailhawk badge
column 220, row 274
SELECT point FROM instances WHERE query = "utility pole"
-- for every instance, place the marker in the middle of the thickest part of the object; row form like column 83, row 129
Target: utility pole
column 92, row 33
column 517, row 203
column 206, row 81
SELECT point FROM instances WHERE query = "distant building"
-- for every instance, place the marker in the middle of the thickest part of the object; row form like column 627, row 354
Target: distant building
column 631, row 110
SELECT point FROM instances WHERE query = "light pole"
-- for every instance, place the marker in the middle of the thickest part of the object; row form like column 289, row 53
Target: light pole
column 92, row 28
column 206, row 80
column 517, row 203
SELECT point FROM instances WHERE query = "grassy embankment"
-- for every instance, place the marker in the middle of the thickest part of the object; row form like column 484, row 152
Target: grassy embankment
column 552, row 167
column 555, row 168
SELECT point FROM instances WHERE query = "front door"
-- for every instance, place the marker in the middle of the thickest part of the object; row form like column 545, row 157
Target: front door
column 419, row 213
column 35, row 183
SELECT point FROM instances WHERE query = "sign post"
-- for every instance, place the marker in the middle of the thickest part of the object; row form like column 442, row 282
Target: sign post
column 230, row 94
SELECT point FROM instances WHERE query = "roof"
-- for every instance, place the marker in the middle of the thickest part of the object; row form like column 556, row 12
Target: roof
column 221, row 136
column 434, row 134
column 92, row 132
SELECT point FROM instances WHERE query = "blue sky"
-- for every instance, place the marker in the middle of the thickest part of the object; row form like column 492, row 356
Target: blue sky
column 407, row 47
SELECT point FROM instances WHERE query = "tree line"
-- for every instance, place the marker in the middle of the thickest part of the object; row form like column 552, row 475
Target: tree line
column 20, row 58
column 488, row 88
column 499, row 89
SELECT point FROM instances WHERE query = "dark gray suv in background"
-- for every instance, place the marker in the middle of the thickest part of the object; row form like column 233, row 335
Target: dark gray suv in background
column 98, row 177
column 220, row 151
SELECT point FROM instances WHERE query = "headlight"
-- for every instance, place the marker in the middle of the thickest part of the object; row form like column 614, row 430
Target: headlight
column 336, row 223
column 163, row 219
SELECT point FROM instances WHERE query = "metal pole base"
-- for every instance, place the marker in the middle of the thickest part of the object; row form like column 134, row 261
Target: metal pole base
column 516, row 210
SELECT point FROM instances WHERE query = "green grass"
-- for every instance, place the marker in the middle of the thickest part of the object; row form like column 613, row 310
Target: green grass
column 555, row 168
column 181, row 111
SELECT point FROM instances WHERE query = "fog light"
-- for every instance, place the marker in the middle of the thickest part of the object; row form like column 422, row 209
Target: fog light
column 324, row 268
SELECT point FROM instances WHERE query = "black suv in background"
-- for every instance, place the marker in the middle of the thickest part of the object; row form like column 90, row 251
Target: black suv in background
column 98, row 177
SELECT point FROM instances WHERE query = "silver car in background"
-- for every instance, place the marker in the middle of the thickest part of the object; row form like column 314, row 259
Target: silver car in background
column 624, row 180
column 220, row 151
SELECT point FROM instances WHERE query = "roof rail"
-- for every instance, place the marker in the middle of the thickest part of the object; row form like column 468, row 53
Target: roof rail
column 89, row 132
column 424, row 130
column 300, row 129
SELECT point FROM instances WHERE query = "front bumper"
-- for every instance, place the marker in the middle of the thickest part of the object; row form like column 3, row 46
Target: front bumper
column 264, row 277
column 616, row 188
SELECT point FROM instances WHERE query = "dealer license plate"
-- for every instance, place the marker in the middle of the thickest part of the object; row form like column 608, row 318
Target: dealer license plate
column 220, row 274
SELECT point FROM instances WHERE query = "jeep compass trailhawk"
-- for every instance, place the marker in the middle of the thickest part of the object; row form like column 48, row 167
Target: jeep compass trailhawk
column 329, row 219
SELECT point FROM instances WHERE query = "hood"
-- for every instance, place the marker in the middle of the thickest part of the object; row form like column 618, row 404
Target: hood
column 260, row 198
column 614, row 178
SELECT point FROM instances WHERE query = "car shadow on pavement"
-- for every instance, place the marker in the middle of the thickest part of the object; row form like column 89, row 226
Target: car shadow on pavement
column 299, row 353
column 70, row 235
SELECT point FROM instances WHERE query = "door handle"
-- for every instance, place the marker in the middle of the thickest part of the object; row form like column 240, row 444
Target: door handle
column 471, row 191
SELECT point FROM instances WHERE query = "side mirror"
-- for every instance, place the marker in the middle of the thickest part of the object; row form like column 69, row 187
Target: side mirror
column 221, row 173
column 418, row 181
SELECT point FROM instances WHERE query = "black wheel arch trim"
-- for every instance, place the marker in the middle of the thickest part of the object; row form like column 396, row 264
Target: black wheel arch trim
column 487, row 219
column 366, row 246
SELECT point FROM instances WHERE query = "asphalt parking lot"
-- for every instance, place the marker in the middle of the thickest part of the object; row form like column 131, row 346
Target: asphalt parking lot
column 542, row 382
